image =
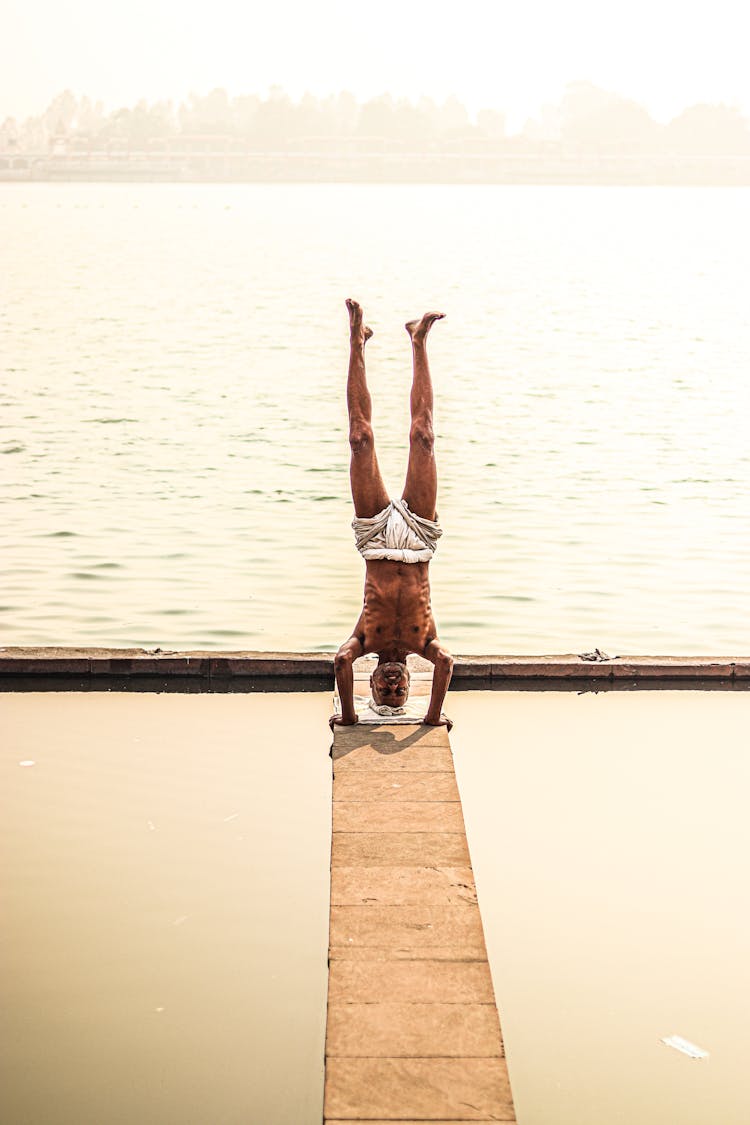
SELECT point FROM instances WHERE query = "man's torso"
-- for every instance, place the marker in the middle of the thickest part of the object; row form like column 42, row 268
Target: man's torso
column 396, row 617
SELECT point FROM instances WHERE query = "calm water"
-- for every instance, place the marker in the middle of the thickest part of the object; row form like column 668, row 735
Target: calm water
column 165, row 909
column 173, row 453
column 165, row 903
column 609, row 837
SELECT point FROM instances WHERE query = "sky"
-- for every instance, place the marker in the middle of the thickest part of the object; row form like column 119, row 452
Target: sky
column 663, row 53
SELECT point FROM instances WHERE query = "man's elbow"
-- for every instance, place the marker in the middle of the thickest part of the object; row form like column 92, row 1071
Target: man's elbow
column 342, row 661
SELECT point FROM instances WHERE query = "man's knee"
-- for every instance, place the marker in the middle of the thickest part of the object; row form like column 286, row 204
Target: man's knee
column 421, row 435
column 360, row 437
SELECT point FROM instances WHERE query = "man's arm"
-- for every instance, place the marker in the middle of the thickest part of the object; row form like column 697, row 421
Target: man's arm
column 343, row 666
column 441, row 677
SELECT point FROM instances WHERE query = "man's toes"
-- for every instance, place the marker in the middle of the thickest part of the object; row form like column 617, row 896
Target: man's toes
column 418, row 329
column 427, row 322
column 355, row 315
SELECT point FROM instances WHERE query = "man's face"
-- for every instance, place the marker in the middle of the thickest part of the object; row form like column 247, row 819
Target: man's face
column 390, row 684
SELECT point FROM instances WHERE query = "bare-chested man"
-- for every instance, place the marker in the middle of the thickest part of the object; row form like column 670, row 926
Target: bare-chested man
column 397, row 539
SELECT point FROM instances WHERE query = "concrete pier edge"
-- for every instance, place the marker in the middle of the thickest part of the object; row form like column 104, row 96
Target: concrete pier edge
column 412, row 1027
column 469, row 671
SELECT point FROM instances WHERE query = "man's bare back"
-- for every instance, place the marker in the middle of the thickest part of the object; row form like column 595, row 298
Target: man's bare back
column 397, row 541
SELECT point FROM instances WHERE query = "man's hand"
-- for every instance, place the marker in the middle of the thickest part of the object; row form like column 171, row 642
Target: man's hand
column 340, row 721
column 343, row 666
column 441, row 677
column 443, row 721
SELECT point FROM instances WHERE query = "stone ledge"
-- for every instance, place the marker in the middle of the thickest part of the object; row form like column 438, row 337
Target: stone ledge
column 251, row 664
column 156, row 662
column 672, row 668
column 484, row 670
column 147, row 664
column 565, row 667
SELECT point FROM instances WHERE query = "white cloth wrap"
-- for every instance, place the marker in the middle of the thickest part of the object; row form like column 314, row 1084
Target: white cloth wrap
column 396, row 534
column 384, row 709
column 413, row 711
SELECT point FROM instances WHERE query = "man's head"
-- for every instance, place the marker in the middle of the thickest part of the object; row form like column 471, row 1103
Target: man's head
column 390, row 684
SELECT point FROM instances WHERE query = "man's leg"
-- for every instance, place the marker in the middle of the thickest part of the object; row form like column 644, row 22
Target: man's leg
column 368, row 490
column 420, row 490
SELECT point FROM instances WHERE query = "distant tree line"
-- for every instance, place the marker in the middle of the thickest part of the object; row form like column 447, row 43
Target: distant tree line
column 586, row 121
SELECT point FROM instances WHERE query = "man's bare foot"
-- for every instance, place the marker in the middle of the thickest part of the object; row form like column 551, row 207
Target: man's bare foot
column 357, row 329
column 418, row 329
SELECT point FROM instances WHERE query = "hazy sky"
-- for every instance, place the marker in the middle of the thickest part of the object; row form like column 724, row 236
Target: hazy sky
column 664, row 53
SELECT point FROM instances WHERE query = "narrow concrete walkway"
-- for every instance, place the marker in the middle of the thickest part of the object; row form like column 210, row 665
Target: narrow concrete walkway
column 413, row 1032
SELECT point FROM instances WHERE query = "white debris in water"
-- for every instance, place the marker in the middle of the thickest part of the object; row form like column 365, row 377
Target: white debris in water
column 179, row 921
column 158, row 1009
column 27, row 762
column 151, row 826
column 685, row 1046
column 232, row 816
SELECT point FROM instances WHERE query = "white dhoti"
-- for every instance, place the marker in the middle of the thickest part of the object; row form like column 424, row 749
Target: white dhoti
column 396, row 534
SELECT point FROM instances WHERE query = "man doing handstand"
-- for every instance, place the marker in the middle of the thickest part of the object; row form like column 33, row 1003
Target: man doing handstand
column 397, row 539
